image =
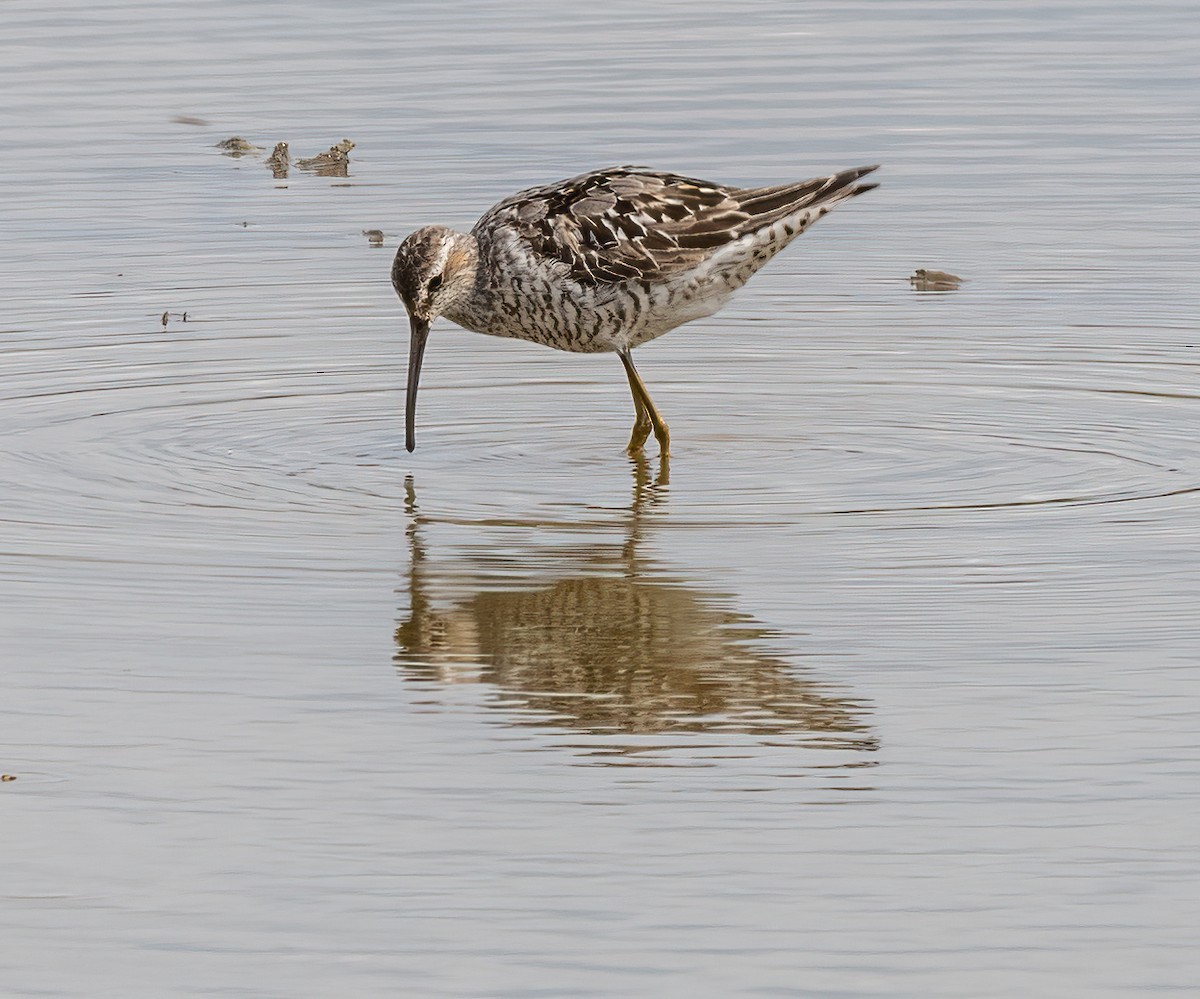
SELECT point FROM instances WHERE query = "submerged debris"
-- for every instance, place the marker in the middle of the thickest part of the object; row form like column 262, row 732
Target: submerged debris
column 927, row 280
column 334, row 162
column 237, row 146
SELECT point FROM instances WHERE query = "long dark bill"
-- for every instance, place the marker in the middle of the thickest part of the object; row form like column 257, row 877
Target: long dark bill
column 416, row 350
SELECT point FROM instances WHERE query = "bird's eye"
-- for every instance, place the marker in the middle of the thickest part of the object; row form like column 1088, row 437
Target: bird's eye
column 435, row 283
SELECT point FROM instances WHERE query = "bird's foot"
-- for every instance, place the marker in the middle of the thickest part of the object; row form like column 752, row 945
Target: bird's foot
column 637, row 440
column 663, row 436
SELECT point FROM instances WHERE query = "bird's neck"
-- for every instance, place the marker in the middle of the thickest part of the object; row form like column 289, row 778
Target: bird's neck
column 463, row 263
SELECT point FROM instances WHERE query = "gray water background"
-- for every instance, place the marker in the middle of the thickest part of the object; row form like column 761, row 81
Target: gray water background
column 889, row 688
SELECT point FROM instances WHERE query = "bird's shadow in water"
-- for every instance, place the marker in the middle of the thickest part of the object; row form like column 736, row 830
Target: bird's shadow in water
column 606, row 644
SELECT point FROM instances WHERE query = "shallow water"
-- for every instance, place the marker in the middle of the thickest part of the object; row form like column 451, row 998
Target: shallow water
column 885, row 687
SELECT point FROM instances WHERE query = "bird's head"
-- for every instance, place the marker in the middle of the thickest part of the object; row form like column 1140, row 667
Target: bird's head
column 434, row 269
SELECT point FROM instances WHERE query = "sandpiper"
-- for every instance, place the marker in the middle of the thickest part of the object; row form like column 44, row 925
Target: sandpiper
column 603, row 262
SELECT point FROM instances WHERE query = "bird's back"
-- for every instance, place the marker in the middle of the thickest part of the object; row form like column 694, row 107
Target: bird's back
column 615, row 257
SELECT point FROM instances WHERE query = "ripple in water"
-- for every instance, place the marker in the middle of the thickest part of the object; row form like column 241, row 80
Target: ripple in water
column 161, row 431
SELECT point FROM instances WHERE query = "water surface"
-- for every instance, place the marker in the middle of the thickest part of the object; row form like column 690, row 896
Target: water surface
column 884, row 687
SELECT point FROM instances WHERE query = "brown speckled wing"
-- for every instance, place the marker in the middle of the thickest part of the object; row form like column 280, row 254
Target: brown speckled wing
column 624, row 223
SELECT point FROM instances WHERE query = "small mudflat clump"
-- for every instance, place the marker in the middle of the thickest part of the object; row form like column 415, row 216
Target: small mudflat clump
column 279, row 161
column 927, row 280
column 237, row 146
column 334, row 162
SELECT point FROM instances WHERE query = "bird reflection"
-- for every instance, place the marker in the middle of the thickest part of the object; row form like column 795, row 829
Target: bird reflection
column 605, row 642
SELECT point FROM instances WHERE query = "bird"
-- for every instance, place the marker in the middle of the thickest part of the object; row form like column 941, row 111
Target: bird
column 603, row 262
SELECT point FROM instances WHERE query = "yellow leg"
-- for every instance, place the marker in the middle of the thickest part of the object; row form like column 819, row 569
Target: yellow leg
column 647, row 416
column 642, row 424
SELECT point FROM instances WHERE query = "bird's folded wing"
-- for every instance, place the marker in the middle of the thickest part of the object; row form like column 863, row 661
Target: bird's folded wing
column 625, row 223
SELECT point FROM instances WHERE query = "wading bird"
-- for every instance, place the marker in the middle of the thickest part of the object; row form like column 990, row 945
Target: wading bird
column 603, row 262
